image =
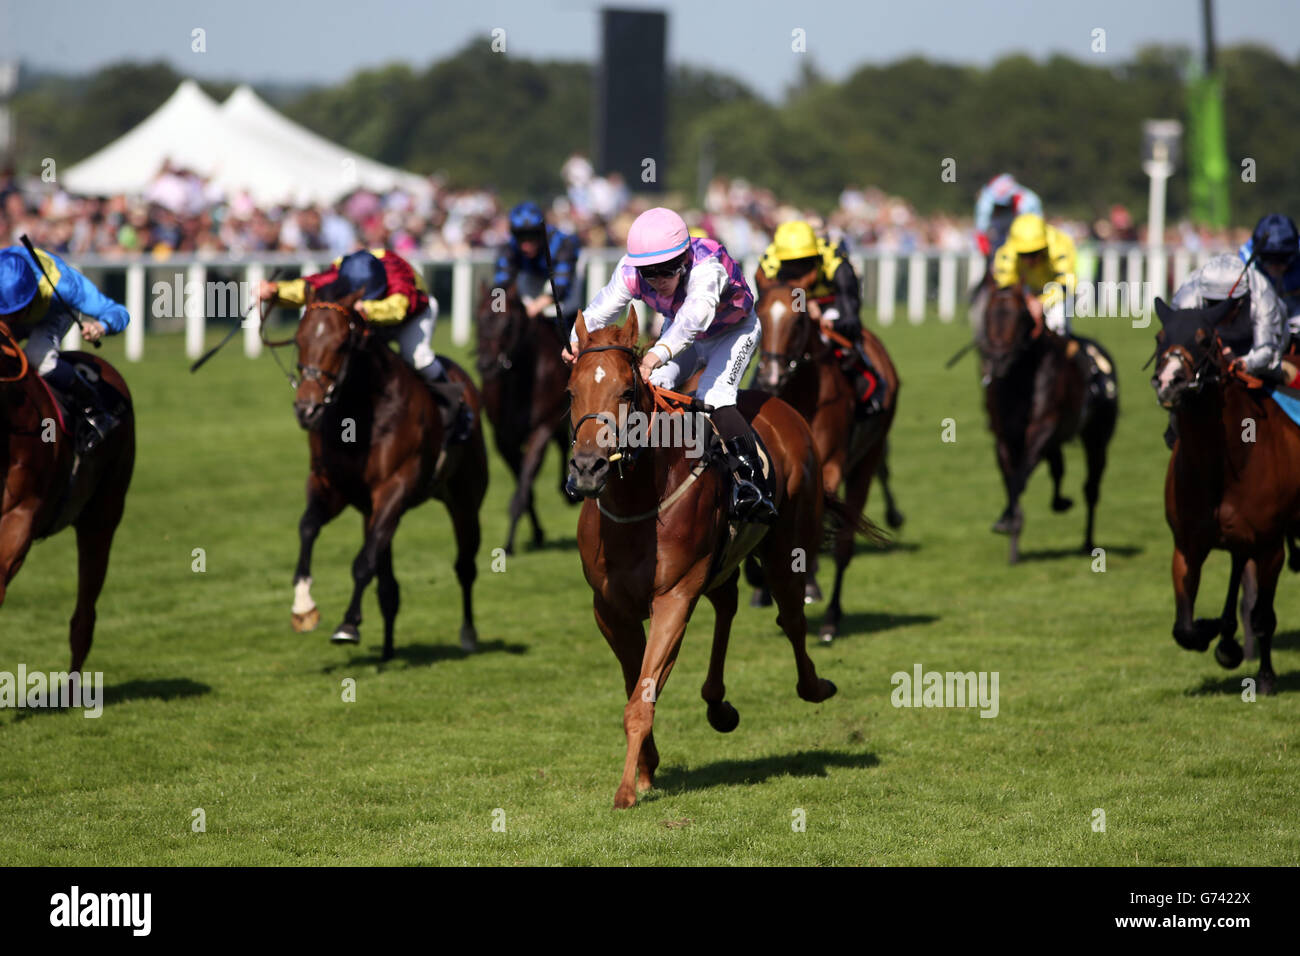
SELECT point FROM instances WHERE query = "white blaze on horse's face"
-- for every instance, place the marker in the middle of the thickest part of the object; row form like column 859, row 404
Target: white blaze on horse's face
column 600, row 374
column 775, row 315
column 1168, row 377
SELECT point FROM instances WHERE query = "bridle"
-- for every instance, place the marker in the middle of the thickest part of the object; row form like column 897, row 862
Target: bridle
column 791, row 358
column 356, row 335
column 10, row 348
column 508, row 341
column 621, row 451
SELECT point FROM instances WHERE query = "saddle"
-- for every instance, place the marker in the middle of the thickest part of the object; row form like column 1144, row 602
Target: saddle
column 1099, row 378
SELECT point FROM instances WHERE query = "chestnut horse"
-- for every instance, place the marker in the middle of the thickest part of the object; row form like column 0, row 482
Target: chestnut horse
column 376, row 439
column 1037, row 399
column 656, row 537
column 1226, row 487
column 802, row 369
column 42, row 495
column 523, row 395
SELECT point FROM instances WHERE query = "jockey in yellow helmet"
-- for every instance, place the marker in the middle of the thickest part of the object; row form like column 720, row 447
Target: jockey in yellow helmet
column 798, row 255
column 1040, row 258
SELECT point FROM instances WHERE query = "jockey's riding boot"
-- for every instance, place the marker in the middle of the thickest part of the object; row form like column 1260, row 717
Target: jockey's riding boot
column 869, row 387
column 458, row 417
column 751, row 498
column 95, row 421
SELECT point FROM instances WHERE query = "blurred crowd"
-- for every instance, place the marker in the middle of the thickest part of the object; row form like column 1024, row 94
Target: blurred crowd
column 181, row 212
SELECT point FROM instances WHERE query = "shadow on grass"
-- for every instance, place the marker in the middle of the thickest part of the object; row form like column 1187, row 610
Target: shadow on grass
column 1231, row 685
column 862, row 546
column 425, row 655
column 1287, row 639
column 813, row 763
column 165, row 689
column 855, row 623
column 1052, row 554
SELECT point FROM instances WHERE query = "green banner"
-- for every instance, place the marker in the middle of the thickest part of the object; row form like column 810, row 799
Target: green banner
column 1207, row 153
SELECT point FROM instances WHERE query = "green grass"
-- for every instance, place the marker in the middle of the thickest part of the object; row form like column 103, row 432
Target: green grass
column 215, row 703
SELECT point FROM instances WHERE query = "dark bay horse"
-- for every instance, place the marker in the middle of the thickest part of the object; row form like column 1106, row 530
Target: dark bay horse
column 654, row 537
column 41, row 494
column 523, row 394
column 1037, row 399
column 1226, row 487
column 376, row 438
column 802, row 369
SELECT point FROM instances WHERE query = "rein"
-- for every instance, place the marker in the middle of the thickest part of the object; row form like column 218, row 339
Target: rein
column 9, row 346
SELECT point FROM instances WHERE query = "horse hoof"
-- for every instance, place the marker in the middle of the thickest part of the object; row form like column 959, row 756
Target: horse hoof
column 1062, row 504
column 1198, row 637
column 1004, row 525
column 625, row 798
column 509, row 550
column 760, row 598
column 723, row 717
column 828, row 633
column 346, row 634
column 1267, row 684
column 811, row 592
column 824, row 691
column 468, row 639
column 306, row 621
column 1228, row 653
column 894, row 518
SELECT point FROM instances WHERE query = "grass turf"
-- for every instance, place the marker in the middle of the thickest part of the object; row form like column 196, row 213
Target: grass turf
column 214, row 703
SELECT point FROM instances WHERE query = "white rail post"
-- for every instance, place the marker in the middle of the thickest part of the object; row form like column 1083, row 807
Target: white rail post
column 136, row 309
column 1133, row 267
column 253, row 276
column 1110, row 266
column 916, row 288
column 72, row 338
column 194, row 306
column 1182, row 267
column 461, row 283
column 947, row 287
column 597, row 276
column 885, row 288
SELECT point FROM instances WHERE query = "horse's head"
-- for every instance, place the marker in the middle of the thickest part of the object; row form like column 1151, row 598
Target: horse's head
column 500, row 322
column 328, row 333
column 1008, row 329
column 1187, row 350
column 787, row 333
column 605, row 377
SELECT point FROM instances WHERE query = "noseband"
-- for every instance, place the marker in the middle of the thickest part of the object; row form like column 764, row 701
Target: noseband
column 605, row 418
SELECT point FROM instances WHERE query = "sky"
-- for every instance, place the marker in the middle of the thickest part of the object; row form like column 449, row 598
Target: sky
column 325, row 41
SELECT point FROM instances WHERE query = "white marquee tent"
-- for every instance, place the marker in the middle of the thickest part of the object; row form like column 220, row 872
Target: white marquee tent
column 242, row 144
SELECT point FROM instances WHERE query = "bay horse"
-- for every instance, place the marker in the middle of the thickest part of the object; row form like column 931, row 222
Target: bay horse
column 523, row 395
column 656, row 538
column 375, row 433
column 1226, row 487
column 1037, row 399
column 802, row 369
column 42, row 495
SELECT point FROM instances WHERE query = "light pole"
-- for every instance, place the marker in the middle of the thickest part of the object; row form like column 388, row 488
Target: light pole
column 1160, row 145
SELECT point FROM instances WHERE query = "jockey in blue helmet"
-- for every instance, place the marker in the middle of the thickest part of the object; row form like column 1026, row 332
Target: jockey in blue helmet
column 29, row 306
column 524, row 260
column 1274, row 247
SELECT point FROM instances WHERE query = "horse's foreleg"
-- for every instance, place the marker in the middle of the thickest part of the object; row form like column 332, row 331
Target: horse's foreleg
column 1249, row 595
column 522, row 501
column 1056, row 463
column 15, row 540
column 626, row 638
column 1193, row 634
column 800, row 530
column 724, row 598
column 323, row 504
column 1228, row 652
column 1095, row 439
column 381, row 525
column 390, row 597
column 513, row 456
column 94, row 540
column 668, row 617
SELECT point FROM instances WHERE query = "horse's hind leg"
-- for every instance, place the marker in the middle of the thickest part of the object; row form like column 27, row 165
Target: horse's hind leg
column 1095, row 439
column 1249, row 595
column 323, row 504
column 1263, row 618
column 381, row 525
column 1056, row 462
column 857, row 487
column 390, row 597
column 626, row 638
column 893, row 517
column 514, row 458
column 463, row 507
column 94, row 540
column 801, row 530
column 522, row 501
column 724, row 598
column 756, row 579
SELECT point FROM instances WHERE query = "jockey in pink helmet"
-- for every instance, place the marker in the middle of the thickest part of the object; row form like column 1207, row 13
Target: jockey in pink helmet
column 709, row 323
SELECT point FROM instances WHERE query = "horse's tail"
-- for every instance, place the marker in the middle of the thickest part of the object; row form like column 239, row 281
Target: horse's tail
column 836, row 516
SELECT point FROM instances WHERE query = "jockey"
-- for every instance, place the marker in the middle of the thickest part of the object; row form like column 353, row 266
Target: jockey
column 524, row 261
column 1274, row 247
column 835, row 295
column 1258, row 322
column 709, row 321
column 396, row 304
column 29, row 307
column 1040, row 258
column 999, row 202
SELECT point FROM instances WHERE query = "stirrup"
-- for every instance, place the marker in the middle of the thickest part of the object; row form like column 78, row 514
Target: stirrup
column 748, row 503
